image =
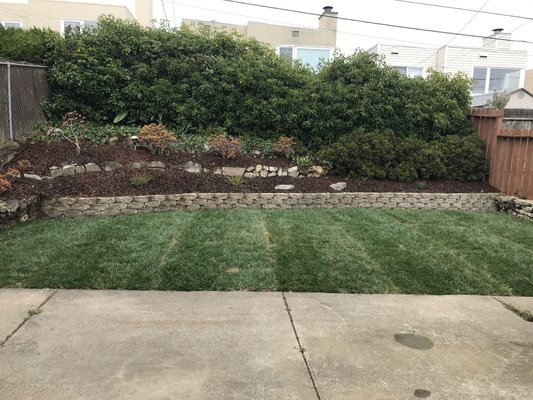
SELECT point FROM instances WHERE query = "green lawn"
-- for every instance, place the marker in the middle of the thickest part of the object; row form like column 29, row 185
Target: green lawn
column 350, row 250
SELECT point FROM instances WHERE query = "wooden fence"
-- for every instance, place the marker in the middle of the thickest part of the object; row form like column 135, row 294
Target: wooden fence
column 23, row 87
column 509, row 145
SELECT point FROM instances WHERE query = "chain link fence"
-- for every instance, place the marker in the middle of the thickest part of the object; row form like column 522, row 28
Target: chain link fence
column 23, row 87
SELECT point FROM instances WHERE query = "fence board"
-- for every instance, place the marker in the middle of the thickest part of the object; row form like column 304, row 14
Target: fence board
column 509, row 151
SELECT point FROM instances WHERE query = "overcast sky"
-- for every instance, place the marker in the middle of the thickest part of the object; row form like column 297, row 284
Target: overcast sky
column 352, row 35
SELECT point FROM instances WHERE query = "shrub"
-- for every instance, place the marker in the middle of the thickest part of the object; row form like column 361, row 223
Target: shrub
column 361, row 155
column 382, row 155
column 156, row 139
column 12, row 173
column 140, row 180
column 73, row 129
column 225, row 146
column 5, row 185
column 234, row 180
column 284, row 145
column 24, row 165
column 30, row 45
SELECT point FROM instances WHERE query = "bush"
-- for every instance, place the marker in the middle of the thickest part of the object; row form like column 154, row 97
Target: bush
column 284, row 145
column 140, row 180
column 156, row 139
column 382, row 155
column 225, row 146
column 5, row 185
column 30, row 45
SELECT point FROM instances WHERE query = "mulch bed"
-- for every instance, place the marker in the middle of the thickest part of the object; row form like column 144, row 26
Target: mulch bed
column 117, row 183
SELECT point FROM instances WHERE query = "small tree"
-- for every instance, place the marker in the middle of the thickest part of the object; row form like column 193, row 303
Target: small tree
column 73, row 129
column 499, row 100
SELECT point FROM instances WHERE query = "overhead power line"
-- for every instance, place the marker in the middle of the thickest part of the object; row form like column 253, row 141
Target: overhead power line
column 377, row 23
column 464, row 9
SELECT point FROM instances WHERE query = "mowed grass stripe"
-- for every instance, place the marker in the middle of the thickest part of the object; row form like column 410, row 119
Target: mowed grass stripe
column 345, row 250
column 314, row 253
column 223, row 250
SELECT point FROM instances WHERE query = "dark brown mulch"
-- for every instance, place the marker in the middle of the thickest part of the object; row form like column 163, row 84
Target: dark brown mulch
column 118, row 182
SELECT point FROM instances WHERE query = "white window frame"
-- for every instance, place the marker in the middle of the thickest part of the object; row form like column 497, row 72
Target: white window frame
column 295, row 49
column 3, row 22
column 407, row 70
column 81, row 21
column 487, row 78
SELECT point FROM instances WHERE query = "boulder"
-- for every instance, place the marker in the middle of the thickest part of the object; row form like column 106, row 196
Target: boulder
column 32, row 176
column 338, row 186
column 263, row 174
column 156, row 165
column 192, row 167
column 258, row 167
column 111, row 165
column 284, row 187
column 248, row 174
column 92, row 167
column 68, row 170
column 233, row 171
column 318, row 169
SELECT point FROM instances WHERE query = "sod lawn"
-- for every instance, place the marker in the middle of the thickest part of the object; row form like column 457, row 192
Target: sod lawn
column 342, row 250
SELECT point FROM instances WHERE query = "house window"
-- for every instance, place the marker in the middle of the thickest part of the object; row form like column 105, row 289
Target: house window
column 307, row 55
column 410, row 71
column 11, row 24
column 73, row 23
column 495, row 80
column 295, row 33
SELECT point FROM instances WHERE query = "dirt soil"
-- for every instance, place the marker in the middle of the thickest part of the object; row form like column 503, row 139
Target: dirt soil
column 118, row 183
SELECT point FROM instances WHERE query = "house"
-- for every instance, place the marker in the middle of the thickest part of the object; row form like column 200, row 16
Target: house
column 495, row 67
column 59, row 14
column 520, row 98
column 294, row 43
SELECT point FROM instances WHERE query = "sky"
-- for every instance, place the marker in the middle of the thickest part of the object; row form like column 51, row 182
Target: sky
column 354, row 35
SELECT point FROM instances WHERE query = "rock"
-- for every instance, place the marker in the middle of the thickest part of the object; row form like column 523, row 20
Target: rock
column 250, row 169
column 233, row 171
column 113, row 140
column 68, row 170
column 33, row 176
column 248, row 174
column 156, row 165
column 283, row 173
column 292, row 169
column 263, row 174
column 294, row 174
column 111, row 165
column 92, row 167
column 313, row 175
column 256, row 153
column 206, row 170
column 318, row 169
column 338, row 186
column 217, row 171
column 280, row 172
column 192, row 167
column 258, row 167
column 79, row 169
column 273, row 169
column 56, row 172
column 138, row 164
column 270, row 174
column 284, row 187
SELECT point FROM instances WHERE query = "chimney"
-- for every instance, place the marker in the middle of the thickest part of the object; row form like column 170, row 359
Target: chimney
column 328, row 19
column 491, row 43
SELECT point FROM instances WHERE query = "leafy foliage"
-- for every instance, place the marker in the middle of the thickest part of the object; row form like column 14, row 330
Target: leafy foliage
column 386, row 156
column 284, row 145
column 225, row 146
column 31, row 45
column 499, row 100
column 202, row 80
column 156, row 139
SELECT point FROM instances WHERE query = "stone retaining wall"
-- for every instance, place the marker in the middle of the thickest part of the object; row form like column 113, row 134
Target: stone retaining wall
column 100, row 206
column 12, row 211
column 515, row 206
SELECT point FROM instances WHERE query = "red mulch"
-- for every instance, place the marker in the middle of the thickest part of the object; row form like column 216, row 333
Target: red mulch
column 116, row 183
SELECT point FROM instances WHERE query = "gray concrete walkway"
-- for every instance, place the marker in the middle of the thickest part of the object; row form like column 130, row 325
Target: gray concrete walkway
column 238, row 345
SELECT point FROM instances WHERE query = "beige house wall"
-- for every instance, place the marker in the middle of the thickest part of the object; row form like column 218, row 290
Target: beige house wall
column 528, row 82
column 50, row 13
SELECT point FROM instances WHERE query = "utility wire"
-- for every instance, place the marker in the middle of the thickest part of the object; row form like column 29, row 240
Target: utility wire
column 297, row 25
column 462, row 29
column 464, row 9
column 376, row 23
column 164, row 9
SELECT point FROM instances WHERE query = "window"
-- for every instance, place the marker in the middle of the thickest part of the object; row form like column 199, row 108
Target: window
column 411, row 71
column 11, row 24
column 307, row 55
column 295, row 33
column 495, row 79
column 73, row 23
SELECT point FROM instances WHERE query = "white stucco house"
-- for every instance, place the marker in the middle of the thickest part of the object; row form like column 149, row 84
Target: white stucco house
column 494, row 66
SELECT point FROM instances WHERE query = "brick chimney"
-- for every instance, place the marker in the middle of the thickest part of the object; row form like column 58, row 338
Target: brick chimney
column 328, row 19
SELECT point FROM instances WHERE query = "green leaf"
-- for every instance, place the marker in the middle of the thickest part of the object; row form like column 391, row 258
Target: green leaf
column 120, row 117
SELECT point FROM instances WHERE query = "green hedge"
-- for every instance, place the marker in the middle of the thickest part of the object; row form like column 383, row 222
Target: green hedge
column 386, row 156
column 204, row 79
column 26, row 45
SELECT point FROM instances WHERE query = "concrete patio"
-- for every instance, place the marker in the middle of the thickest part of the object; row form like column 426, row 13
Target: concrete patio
column 77, row 344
